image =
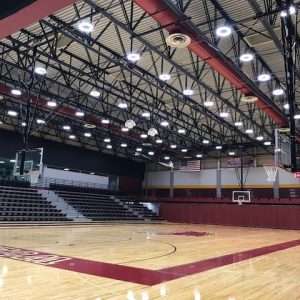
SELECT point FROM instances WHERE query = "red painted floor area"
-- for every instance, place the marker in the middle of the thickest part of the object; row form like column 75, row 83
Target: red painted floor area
column 133, row 274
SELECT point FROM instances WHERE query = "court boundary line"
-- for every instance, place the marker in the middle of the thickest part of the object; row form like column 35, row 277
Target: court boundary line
column 134, row 274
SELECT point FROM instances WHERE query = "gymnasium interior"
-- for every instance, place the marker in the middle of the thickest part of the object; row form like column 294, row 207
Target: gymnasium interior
column 149, row 149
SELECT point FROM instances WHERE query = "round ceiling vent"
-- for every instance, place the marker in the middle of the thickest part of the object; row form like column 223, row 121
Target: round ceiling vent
column 249, row 99
column 90, row 126
column 178, row 40
column 130, row 124
column 152, row 132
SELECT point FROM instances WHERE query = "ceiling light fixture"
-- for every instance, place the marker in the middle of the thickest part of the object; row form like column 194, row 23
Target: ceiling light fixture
column 164, row 77
column 224, row 114
column 16, row 92
column 143, row 136
column 260, row 138
column 87, row 134
column 51, row 103
column 278, row 92
column 40, row 70
column 218, row 147
column 124, row 129
column 208, row 103
column 72, row 136
column 173, row 146
column 267, row 143
column 123, row 145
column 181, row 131
column 164, row 123
column 145, row 114
column 199, row 155
column 264, row 77
column 159, row 141
column 188, row 92
column 249, row 131
column 231, row 153
column 297, row 117
column 109, row 146
column 12, row 113
column 107, row 140
column 133, row 57
column 139, row 149
column 122, row 105
column 166, row 157
column 246, row 57
column 105, row 121
column 184, row 150
column 223, row 31
column 205, row 142
column 292, row 10
column 89, row 126
column 85, row 26
column 150, row 153
column 40, row 121
column 66, row 127
column 95, row 93
column 79, row 113
column 238, row 124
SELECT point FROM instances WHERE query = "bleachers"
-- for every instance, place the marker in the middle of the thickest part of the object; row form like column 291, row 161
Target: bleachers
column 139, row 208
column 97, row 207
column 24, row 204
column 12, row 183
column 82, row 189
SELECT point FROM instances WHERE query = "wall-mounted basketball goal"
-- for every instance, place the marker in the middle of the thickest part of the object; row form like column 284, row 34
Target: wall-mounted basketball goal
column 282, row 155
column 32, row 165
column 241, row 197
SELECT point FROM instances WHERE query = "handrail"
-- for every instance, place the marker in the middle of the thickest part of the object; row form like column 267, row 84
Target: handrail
column 45, row 182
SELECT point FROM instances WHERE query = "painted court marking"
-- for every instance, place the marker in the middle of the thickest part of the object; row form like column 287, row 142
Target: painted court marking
column 134, row 274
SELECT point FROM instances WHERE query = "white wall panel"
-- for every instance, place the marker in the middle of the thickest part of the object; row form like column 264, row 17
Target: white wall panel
column 256, row 176
column 68, row 175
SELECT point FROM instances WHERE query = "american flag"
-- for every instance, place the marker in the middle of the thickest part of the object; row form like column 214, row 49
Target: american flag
column 189, row 166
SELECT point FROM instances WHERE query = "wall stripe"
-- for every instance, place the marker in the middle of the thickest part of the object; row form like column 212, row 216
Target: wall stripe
column 257, row 186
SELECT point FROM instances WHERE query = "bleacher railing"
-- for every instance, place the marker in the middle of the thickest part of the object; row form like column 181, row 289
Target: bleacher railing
column 45, row 182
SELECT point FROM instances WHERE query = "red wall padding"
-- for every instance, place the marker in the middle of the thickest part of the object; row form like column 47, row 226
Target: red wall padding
column 270, row 216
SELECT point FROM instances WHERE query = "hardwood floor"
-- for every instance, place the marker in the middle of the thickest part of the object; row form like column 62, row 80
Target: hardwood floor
column 148, row 261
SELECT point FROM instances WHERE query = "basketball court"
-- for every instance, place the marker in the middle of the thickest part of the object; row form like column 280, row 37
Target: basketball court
column 149, row 149
column 149, row 262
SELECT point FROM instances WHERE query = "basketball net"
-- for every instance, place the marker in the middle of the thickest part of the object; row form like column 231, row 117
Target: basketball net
column 34, row 177
column 271, row 170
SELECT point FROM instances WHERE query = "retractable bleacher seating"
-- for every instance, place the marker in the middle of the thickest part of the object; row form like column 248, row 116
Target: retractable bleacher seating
column 96, row 206
column 138, row 207
column 25, row 204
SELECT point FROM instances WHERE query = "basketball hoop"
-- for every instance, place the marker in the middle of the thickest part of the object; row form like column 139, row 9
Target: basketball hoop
column 34, row 177
column 271, row 170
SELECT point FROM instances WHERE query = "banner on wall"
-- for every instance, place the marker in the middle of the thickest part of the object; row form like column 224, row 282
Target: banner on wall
column 297, row 175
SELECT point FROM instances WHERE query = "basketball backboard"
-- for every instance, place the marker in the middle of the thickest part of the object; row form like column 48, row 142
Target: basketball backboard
column 241, row 197
column 33, row 163
column 282, row 149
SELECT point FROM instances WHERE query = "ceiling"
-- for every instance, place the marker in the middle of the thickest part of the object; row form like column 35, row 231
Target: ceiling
column 78, row 62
